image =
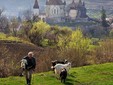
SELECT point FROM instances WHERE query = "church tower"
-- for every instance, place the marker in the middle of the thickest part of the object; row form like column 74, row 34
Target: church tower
column 36, row 8
column 55, row 9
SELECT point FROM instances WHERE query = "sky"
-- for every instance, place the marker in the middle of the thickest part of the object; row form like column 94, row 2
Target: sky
column 13, row 7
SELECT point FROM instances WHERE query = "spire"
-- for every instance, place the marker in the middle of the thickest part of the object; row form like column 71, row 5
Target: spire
column 80, row 1
column 80, row 4
column 83, row 3
column 36, row 6
column 64, row 2
column 73, row 1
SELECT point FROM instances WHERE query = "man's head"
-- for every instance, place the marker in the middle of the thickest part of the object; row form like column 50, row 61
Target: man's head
column 30, row 54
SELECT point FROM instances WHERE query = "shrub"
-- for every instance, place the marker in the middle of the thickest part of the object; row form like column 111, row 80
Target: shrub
column 38, row 31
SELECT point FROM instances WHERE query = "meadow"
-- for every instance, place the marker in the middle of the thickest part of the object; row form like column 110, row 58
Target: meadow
column 101, row 74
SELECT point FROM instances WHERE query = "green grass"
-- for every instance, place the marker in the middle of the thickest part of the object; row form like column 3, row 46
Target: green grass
column 9, row 38
column 89, row 75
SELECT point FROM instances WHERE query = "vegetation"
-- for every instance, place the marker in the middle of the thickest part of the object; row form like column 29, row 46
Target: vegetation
column 103, row 18
column 7, row 37
column 88, row 44
column 81, row 47
column 38, row 32
column 88, row 75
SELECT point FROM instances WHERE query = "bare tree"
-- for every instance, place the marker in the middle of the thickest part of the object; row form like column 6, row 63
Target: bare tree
column 27, row 15
column 14, row 25
column 4, row 24
column 1, row 11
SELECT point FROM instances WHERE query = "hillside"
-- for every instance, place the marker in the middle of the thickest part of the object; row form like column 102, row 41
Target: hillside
column 88, row 75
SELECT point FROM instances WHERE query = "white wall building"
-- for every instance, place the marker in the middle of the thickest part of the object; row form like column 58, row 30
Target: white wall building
column 59, row 11
column 55, row 9
column 36, row 8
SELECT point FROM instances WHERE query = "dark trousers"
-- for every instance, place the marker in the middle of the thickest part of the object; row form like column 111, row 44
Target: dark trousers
column 28, row 75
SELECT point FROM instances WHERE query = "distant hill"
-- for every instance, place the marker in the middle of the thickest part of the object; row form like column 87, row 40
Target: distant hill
column 97, row 4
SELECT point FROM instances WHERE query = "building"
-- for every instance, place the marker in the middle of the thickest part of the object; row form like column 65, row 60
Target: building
column 36, row 8
column 76, row 10
column 55, row 10
column 59, row 11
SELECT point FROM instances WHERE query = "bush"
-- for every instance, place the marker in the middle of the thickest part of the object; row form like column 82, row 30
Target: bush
column 38, row 31
column 104, row 52
column 74, row 47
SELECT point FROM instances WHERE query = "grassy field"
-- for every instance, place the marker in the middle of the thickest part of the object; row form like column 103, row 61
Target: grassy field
column 88, row 75
column 11, row 39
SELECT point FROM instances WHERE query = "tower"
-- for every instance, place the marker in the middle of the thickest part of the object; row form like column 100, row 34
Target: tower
column 73, row 12
column 55, row 10
column 83, row 10
column 36, row 8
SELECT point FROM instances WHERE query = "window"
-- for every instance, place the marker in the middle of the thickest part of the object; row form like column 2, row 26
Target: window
column 54, row 11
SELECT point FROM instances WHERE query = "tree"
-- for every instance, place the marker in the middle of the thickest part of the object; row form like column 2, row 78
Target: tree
column 74, row 47
column 103, row 18
column 27, row 15
column 38, row 32
column 26, row 27
column 74, row 40
column 14, row 25
column 4, row 24
column 1, row 11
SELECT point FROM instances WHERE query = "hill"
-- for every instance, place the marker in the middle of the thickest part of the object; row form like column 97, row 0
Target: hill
column 89, row 75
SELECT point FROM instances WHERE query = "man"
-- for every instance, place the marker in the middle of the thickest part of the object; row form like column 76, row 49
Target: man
column 29, row 67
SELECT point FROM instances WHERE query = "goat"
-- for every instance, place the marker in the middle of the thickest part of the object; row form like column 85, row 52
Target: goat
column 63, row 75
column 23, row 66
column 58, row 67
column 57, row 62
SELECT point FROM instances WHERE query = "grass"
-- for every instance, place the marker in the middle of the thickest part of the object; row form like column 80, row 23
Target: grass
column 6, row 37
column 9, row 38
column 89, row 75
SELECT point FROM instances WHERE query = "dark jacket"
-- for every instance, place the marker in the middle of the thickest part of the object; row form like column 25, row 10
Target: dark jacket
column 31, row 63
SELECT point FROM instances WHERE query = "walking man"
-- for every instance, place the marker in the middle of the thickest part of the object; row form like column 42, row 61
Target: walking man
column 29, row 67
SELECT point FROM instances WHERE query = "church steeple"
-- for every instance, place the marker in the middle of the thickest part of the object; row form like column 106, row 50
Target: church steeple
column 64, row 2
column 36, row 6
column 73, row 1
column 80, row 1
column 84, row 4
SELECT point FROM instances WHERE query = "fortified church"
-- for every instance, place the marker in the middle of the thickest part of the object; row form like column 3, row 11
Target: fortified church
column 59, row 11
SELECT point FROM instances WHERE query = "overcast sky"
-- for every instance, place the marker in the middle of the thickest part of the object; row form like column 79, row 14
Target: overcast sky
column 12, row 7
